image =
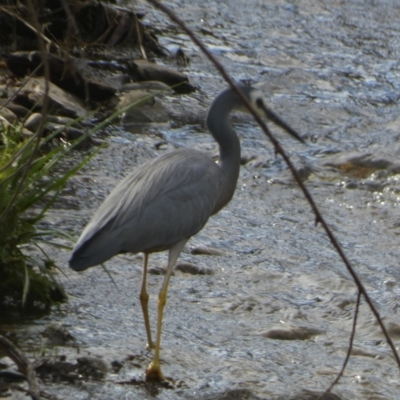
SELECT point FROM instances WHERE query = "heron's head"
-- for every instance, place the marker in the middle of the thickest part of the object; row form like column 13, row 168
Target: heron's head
column 257, row 99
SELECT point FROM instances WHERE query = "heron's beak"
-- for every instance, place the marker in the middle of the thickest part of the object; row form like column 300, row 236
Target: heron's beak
column 269, row 114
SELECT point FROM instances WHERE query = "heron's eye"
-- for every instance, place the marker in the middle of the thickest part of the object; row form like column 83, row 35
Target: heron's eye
column 259, row 102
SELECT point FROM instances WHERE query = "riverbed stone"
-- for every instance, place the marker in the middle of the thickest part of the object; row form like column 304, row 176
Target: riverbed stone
column 60, row 101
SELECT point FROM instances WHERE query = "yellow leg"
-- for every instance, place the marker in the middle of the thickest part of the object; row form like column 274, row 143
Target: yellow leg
column 144, row 301
column 153, row 372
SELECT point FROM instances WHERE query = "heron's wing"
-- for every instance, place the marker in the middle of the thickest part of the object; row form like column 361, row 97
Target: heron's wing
column 160, row 203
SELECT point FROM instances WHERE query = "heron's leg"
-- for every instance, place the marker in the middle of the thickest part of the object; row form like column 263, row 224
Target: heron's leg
column 144, row 301
column 153, row 371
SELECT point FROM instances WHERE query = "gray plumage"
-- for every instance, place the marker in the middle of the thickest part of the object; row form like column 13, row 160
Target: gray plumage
column 154, row 207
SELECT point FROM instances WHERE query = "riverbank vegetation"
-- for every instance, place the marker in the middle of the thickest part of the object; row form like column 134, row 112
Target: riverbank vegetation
column 29, row 184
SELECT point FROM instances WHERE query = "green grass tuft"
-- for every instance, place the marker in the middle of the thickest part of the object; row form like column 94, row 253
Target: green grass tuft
column 29, row 185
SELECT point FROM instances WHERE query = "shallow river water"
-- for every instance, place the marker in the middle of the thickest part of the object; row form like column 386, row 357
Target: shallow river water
column 331, row 70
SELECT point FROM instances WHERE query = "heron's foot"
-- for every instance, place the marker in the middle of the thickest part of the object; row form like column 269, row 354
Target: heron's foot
column 153, row 373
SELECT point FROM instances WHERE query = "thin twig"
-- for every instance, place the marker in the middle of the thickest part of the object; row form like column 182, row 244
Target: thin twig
column 278, row 149
column 139, row 34
column 353, row 332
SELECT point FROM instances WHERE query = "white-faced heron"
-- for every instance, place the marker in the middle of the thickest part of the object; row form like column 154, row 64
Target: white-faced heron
column 164, row 202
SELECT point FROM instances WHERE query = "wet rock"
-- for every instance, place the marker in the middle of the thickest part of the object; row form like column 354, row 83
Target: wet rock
column 136, row 98
column 148, row 86
column 57, row 371
column 373, row 186
column 3, row 122
column 390, row 283
column 234, row 394
column 344, row 301
column 69, row 133
column 11, row 376
column 257, row 162
column 116, row 365
column 61, row 102
column 144, row 108
column 8, row 115
column 60, row 120
column 181, row 58
column 92, row 367
column 310, row 395
column 362, row 352
column 209, row 251
column 63, row 73
column 304, row 172
column 19, row 111
column 66, row 132
column 33, row 122
column 142, row 70
column 393, row 329
column 161, row 145
column 246, row 158
column 352, row 185
column 249, row 305
column 361, row 165
column 157, row 270
column 57, row 335
column 291, row 333
column 118, row 81
column 194, row 269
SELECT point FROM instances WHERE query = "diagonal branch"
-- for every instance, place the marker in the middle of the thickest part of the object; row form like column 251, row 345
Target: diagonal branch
column 278, row 149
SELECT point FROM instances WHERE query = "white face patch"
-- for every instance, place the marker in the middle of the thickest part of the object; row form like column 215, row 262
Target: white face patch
column 257, row 99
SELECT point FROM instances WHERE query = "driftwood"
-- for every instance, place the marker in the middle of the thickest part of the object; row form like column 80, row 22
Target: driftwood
column 23, row 364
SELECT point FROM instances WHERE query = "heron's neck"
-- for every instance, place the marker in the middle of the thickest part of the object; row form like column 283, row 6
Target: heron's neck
column 229, row 146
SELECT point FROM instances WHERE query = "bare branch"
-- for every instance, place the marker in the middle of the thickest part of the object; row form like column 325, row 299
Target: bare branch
column 318, row 216
column 353, row 332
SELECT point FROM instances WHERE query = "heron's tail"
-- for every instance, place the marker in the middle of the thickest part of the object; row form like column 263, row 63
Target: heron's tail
column 94, row 251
